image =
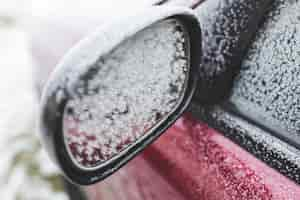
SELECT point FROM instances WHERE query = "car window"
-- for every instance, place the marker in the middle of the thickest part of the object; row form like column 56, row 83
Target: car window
column 267, row 89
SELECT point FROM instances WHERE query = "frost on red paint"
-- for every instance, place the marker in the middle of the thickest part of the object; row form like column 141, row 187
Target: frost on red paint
column 198, row 163
column 203, row 164
column 204, row 169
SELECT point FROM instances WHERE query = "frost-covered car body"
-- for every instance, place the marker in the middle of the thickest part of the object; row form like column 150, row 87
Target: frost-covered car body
column 240, row 136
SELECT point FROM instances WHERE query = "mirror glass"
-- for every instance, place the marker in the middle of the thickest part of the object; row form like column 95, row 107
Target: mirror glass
column 127, row 93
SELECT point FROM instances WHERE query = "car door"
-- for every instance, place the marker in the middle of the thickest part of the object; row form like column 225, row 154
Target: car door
column 242, row 144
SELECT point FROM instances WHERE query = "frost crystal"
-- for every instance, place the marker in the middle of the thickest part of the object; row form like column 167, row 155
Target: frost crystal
column 268, row 85
column 126, row 93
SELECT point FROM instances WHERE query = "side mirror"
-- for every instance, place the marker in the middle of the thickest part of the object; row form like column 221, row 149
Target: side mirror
column 118, row 90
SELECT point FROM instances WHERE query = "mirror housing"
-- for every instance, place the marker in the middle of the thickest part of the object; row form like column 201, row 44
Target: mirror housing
column 79, row 65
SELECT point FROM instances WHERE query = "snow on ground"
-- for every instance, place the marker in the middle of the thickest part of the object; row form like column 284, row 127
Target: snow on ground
column 22, row 174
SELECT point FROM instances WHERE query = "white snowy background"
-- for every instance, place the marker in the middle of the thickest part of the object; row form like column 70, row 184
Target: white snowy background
column 25, row 171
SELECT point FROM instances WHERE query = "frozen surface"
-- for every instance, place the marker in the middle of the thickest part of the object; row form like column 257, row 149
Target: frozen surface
column 201, row 164
column 273, row 151
column 268, row 86
column 188, row 3
column 227, row 28
column 126, row 93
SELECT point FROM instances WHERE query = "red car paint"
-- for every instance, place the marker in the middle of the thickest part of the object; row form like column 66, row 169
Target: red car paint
column 192, row 161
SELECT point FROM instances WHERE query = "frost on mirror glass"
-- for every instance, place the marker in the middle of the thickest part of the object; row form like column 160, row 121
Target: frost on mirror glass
column 127, row 93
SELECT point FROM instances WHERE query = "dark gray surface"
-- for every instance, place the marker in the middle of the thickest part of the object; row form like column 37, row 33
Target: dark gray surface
column 228, row 27
column 267, row 89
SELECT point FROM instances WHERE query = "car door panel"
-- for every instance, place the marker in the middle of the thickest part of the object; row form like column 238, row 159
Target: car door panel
column 199, row 163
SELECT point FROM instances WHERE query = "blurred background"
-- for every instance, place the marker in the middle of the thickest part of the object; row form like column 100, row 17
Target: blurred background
column 26, row 30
